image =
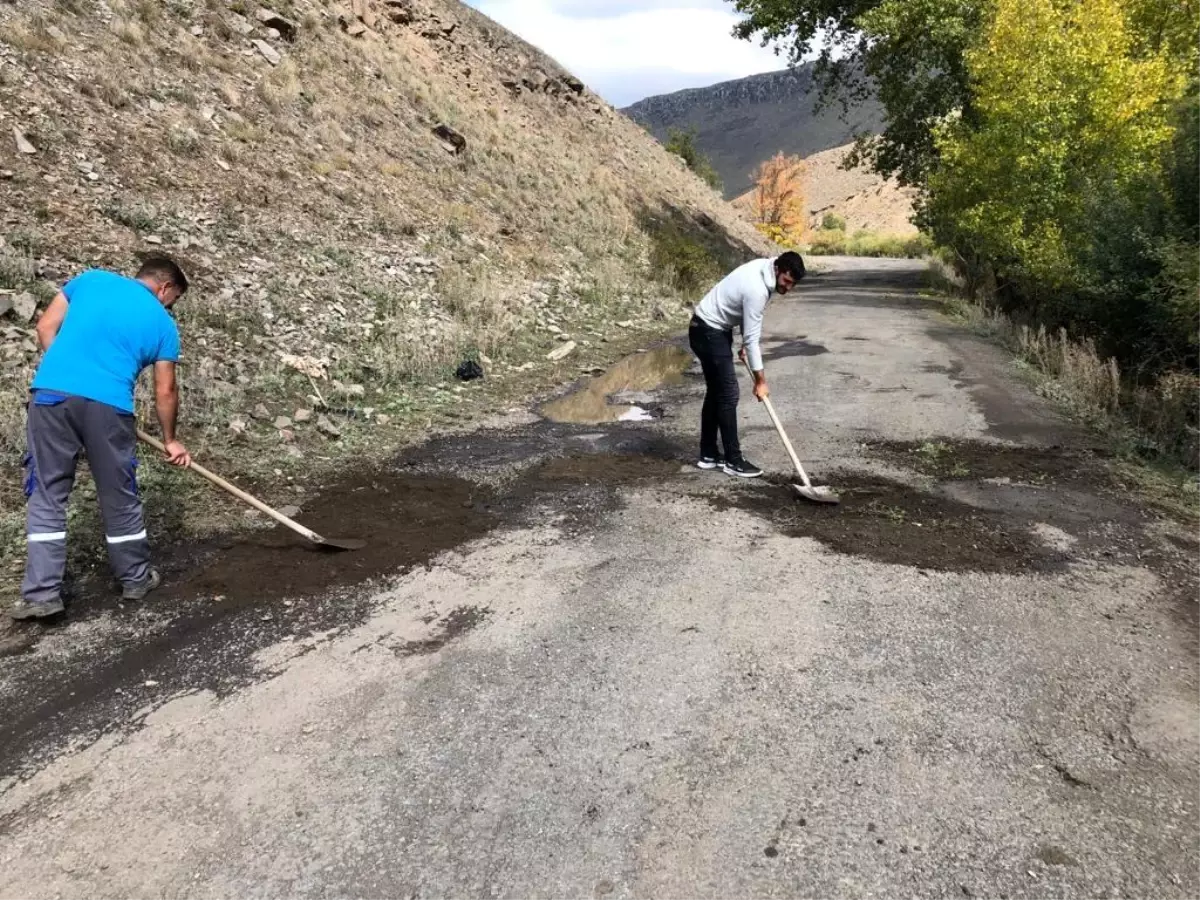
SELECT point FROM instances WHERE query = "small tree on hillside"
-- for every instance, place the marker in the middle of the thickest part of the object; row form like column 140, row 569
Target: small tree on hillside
column 683, row 144
column 779, row 198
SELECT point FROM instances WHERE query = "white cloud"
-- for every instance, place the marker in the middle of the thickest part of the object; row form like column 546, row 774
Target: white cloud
column 627, row 50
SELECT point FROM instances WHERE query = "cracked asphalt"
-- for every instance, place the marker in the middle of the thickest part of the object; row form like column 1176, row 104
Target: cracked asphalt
column 611, row 675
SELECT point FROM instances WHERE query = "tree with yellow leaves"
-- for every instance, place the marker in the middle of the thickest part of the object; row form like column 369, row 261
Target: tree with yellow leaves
column 779, row 199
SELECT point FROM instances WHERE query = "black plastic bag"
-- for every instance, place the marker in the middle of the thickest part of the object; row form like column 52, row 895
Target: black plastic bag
column 469, row 370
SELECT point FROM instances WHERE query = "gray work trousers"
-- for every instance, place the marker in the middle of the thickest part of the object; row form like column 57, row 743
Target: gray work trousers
column 57, row 433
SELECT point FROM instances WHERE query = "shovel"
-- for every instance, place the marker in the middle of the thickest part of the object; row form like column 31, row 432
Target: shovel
column 306, row 533
column 806, row 491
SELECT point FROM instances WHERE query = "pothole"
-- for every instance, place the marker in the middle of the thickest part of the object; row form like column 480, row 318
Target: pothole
column 599, row 399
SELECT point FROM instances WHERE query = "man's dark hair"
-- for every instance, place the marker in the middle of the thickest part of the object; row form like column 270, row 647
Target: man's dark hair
column 792, row 263
column 163, row 269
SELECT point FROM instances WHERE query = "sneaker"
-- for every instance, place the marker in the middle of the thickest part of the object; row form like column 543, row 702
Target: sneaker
column 742, row 468
column 23, row 609
column 710, row 462
column 139, row 591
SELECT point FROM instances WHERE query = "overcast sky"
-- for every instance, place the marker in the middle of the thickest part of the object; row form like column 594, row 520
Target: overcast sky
column 629, row 49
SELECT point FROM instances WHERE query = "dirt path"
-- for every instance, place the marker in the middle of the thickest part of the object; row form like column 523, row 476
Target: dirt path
column 570, row 665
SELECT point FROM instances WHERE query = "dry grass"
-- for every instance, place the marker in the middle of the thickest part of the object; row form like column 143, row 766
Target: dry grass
column 1155, row 420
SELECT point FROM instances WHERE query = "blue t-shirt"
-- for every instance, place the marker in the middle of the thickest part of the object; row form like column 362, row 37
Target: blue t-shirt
column 113, row 329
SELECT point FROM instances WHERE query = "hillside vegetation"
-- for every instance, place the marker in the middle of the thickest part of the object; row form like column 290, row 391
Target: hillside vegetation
column 365, row 195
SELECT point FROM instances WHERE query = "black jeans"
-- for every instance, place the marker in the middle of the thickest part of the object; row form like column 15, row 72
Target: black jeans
column 714, row 348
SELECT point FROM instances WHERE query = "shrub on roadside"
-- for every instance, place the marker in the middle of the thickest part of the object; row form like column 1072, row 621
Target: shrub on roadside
column 835, row 242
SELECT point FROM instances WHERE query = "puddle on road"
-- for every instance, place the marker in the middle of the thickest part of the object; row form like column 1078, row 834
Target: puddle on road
column 590, row 405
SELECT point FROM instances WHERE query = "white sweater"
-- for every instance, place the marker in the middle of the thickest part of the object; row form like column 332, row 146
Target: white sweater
column 740, row 298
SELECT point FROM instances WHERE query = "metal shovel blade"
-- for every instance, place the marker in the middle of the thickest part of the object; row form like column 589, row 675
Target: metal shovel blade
column 336, row 545
column 817, row 494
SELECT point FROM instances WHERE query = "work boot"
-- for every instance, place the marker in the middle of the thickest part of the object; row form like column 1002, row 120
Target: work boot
column 23, row 609
column 141, row 589
column 742, row 468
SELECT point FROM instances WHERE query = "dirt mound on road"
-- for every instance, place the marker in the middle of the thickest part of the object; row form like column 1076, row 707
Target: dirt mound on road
column 407, row 519
column 894, row 523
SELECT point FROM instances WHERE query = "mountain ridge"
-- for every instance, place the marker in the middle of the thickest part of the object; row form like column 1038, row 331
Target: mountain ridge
column 743, row 121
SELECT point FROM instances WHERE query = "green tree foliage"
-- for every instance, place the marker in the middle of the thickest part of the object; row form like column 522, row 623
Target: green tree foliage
column 1054, row 144
column 683, row 144
column 908, row 51
column 1061, row 107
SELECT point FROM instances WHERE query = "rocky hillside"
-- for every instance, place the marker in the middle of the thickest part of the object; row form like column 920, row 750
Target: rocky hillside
column 859, row 197
column 740, row 123
column 365, row 193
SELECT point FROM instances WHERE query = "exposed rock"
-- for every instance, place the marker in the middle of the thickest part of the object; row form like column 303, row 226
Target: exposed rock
column 399, row 11
column 354, row 28
column 270, row 54
column 237, row 425
column 535, row 80
column 573, row 84
column 291, row 511
column 261, row 412
column 302, row 415
column 561, row 352
column 6, row 303
column 286, row 27
column 452, row 140
column 23, row 145
column 326, row 427
column 383, row 418
column 24, row 307
column 282, row 422
column 239, row 24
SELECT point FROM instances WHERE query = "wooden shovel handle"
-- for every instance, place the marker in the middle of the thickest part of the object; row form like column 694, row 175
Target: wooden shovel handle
column 238, row 492
column 782, row 435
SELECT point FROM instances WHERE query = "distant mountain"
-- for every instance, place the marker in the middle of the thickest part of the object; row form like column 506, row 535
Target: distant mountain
column 740, row 123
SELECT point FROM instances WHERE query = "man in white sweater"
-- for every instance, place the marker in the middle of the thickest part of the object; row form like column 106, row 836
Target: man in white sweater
column 738, row 301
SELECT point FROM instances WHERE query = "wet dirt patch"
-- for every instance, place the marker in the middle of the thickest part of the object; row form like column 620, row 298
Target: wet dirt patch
column 406, row 520
column 953, row 459
column 592, row 403
column 795, row 347
column 621, row 468
column 458, row 622
column 893, row 523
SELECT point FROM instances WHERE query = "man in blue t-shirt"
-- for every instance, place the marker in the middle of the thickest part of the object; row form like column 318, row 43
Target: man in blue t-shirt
column 98, row 334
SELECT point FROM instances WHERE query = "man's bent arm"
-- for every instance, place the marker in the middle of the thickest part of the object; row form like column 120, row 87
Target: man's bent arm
column 752, row 325
column 166, row 399
column 51, row 321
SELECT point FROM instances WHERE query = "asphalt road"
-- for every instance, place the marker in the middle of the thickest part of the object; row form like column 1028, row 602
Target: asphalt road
column 976, row 678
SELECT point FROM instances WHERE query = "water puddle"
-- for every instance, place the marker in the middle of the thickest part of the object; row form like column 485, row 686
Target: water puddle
column 600, row 398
